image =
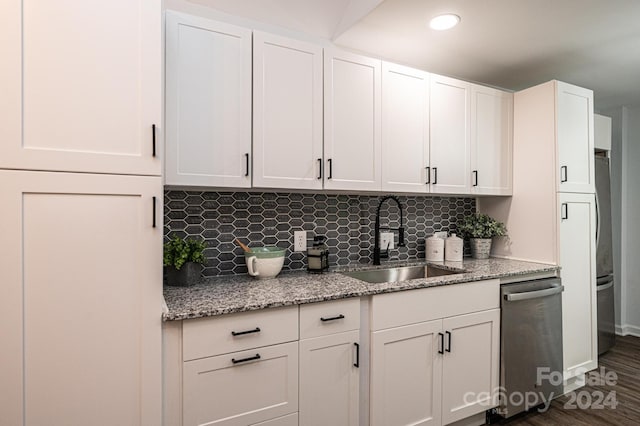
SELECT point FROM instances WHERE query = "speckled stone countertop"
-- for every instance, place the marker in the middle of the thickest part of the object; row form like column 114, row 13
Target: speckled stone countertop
column 238, row 293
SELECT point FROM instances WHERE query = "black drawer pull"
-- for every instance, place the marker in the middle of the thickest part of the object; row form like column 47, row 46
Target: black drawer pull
column 563, row 176
column 154, row 212
column 153, row 138
column 428, row 175
column 435, row 175
column 251, row 358
column 332, row 318
column 246, row 160
column 319, row 168
column 564, row 211
column 330, row 168
column 441, row 345
column 357, row 363
column 240, row 333
column 475, row 178
column 449, row 339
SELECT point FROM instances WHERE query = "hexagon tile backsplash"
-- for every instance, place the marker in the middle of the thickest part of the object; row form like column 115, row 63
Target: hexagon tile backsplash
column 266, row 218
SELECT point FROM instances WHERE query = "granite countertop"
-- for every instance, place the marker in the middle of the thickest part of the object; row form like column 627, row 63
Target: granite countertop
column 237, row 293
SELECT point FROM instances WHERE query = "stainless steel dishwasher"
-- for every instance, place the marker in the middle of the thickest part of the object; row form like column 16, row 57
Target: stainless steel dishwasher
column 531, row 364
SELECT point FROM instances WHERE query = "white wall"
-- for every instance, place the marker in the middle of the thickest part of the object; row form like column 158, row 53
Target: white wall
column 625, row 200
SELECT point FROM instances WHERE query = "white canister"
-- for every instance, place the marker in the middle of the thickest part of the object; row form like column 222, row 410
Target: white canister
column 434, row 248
column 453, row 249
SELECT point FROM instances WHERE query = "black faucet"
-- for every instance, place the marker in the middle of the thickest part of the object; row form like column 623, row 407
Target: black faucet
column 376, row 237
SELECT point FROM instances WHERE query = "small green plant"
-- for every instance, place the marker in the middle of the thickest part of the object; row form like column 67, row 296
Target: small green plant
column 179, row 251
column 480, row 225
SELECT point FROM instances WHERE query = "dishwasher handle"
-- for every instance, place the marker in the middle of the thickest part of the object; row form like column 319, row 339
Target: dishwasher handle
column 514, row 297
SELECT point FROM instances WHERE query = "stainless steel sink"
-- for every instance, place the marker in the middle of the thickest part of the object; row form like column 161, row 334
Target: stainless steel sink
column 403, row 273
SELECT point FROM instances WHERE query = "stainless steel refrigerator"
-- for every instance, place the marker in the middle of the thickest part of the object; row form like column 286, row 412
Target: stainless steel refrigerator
column 604, row 257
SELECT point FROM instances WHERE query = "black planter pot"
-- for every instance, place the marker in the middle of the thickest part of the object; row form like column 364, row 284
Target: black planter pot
column 188, row 275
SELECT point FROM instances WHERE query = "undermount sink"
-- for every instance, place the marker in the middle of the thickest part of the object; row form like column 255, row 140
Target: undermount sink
column 403, row 273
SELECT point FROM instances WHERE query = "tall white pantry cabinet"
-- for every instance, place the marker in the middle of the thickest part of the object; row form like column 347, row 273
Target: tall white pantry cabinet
column 551, row 217
column 81, row 194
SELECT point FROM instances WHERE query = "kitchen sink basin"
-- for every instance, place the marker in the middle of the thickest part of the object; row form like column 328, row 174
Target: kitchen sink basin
column 403, row 273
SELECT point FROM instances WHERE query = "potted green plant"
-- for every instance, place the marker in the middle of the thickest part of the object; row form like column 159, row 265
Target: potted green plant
column 183, row 259
column 480, row 229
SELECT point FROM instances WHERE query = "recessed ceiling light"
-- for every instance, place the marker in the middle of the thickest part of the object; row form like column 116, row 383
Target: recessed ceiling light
column 444, row 22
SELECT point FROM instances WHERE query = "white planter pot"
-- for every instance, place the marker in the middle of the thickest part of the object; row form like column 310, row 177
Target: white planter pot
column 480, row 248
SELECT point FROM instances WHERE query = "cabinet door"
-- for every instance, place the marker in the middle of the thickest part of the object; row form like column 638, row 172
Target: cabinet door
column 80, row 313
column 579, row 305
column 406, row 375
column 574, row 124
column 470, row 370
column 491, row 141
column 405, row 129
column 287, row 113
column 351, row 121
column 80, row 84
column 241, row 388
column 450, row 135
column 329, row 380
column 208, row 103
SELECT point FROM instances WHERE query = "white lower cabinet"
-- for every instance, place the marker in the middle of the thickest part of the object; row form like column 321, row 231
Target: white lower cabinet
column 241, row 388
column 330, row 363
column 329, row 380
column 406, row 375
column 470, row 364
column 80, row 312
column 438, row 362
column 579, row 302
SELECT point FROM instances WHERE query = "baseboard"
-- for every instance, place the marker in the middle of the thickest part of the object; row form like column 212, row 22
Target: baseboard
column 628, row 330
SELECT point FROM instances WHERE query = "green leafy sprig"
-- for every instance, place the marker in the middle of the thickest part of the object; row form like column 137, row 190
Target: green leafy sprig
column 178, row 251
column 480, row 225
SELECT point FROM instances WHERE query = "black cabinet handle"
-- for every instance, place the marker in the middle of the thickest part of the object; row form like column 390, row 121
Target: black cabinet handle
column 154, row 213
column 251, row 358
column 564, row 211
column 435, row 175
column 441, row 346
column 246, row 159
column 357, row 363
column 563, row 179
column 428, row 175
column 332, row 318
column 240, row 333
column 475, row 178
column 319, row 168
column 153, row 138
column 449, row 341
column 330, row 168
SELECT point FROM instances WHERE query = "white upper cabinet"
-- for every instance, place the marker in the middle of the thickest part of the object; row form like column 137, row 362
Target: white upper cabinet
column 208, row 103
column 80, row 84
column 575, row 143
column 405, row 129
column 351, row 121
column 287, row 113
column 491, row 141
column 449, row 110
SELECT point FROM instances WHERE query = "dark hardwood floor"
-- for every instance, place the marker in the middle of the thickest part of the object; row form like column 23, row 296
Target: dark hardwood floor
column 624, row 361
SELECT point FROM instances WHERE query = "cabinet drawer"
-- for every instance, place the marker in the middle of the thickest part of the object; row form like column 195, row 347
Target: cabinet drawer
column 240, row 389
column 410, row 307
column 236, row 332
column 320, row 319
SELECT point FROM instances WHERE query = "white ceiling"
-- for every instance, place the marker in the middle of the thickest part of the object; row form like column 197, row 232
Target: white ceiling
column 511, row 44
